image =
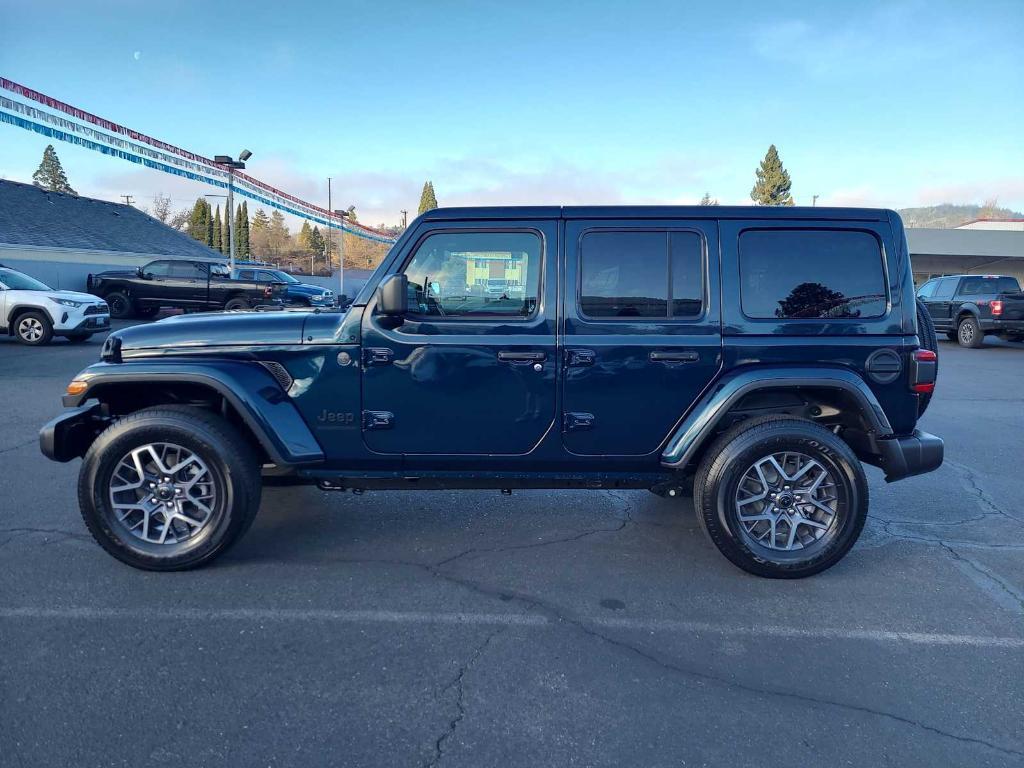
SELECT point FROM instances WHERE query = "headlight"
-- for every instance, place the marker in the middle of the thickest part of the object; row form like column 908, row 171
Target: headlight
column 67, row 302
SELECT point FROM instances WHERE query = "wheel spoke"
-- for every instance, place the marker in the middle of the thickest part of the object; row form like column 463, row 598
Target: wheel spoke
column 178, row 480
column 801, row 491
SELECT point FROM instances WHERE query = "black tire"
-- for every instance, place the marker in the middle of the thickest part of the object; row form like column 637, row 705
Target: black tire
column 120, row 305
column 238, row 302
column 969, row 333
column 735, row 452
column 78, row 338
column 234, row 477
column 926, row 335
column 951, row 335
column 33, row 329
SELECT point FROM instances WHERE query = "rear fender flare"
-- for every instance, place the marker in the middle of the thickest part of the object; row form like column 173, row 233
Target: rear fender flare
column 700, row 424
column 248, row 388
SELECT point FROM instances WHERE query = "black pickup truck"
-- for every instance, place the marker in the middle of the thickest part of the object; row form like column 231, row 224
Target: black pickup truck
column 967, row 307
column 189, row 285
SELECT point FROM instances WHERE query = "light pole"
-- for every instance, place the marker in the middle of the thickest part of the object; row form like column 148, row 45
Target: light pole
column 341, row 250
column 232, row 166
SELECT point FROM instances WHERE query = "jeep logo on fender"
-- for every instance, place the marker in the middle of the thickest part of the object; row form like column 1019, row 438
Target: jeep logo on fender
column 342, row 418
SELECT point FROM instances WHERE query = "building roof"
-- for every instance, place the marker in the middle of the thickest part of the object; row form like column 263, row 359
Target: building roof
column 989, row 243
column 32, row 216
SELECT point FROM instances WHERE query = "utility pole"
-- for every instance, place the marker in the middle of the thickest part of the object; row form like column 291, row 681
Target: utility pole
column 405, row 222
column 330, row 234
column 814, row 201
column 128, row 199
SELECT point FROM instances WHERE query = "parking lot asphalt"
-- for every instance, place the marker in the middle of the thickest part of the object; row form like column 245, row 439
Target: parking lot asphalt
column 543, row 628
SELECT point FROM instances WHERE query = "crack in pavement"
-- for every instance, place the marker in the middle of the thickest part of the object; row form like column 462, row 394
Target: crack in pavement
column 626, row 519
column 887, row 524
column 460, row 710
column 27, row 443
column 20, row 532
column 986, row 502
column 989, row 578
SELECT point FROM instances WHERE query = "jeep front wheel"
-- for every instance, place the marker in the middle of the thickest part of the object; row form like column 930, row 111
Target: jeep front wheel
column 169, row 488
column 781, row 497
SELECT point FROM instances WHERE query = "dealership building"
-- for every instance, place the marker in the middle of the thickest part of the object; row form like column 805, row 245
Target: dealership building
column 60, row 239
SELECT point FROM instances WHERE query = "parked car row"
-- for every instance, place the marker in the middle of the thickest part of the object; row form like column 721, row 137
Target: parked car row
column 34, row 313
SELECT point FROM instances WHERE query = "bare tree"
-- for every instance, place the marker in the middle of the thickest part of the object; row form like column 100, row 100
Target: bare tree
column 179, row 221
column 161, row 208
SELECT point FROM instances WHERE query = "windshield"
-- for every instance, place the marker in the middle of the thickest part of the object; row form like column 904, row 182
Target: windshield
column 284, row 277
column 17, row 281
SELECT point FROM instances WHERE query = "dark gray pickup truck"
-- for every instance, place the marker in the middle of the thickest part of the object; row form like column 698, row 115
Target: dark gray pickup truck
column 967, row 307
column 188, row 285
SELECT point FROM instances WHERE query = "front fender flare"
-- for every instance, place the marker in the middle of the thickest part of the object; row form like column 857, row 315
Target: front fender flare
column 247, row 386
column 700, row 423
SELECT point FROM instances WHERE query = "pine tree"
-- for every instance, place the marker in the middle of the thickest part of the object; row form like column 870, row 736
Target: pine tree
column 50, row 174
column 428, row 200
column 316, row 240
column 773, row 182
column 209, row 225
column 306, row 237
column 198, row 220
column 708, row 200
column 217, row 242
column 225, row 235
column 242, row 231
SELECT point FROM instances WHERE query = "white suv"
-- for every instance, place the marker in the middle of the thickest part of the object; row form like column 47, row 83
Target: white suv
column 34, row 313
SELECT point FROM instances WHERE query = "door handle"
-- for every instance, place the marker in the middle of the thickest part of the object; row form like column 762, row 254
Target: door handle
column 684, row 356
column 521, row 357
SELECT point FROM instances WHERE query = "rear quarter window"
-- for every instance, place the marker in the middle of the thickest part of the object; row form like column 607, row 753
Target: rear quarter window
column 811, row 273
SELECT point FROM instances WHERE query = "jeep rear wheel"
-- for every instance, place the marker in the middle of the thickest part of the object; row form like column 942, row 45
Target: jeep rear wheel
column 236, row 303
column 781, row 497
column 169, row 488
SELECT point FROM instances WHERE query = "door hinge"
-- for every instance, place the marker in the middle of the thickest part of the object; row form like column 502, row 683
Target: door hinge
column 377, row 355
column 577, row 421
column 378, row 419
column 579, row 357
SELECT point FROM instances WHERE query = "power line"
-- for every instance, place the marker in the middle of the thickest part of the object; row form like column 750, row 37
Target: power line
column 128, row 199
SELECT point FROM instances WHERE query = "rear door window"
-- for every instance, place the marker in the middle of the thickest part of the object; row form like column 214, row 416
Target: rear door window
column 946, row 288
column 811, row 273
column 641, row 274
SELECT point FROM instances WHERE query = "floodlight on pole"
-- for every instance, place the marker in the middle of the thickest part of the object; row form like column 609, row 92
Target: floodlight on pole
column 232, row 166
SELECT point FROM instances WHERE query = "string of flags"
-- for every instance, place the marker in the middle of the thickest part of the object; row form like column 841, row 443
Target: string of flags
column 139, row 148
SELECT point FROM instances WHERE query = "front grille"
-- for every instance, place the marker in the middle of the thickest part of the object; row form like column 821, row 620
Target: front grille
column 97, row 309
column 280, row 373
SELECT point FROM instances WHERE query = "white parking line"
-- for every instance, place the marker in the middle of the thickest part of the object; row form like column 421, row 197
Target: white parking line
column 670, row 626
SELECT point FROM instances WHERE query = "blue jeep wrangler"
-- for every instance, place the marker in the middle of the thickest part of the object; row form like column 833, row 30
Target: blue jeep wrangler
column 753, row 357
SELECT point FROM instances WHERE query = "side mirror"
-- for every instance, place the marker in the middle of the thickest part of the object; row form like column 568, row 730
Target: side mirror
column 140, row 272
column 393, row 299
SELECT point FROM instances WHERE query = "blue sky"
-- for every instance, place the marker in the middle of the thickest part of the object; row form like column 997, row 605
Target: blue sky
column 891, row 104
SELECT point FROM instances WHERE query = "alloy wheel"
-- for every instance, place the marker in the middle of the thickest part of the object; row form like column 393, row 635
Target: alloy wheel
column 163, row 494
column 787, row 502
column 966, row 333
column 30, row 329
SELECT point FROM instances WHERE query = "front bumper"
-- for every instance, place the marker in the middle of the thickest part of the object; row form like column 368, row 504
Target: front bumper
column 69, row 435
column 90, row 324
column 917, row 454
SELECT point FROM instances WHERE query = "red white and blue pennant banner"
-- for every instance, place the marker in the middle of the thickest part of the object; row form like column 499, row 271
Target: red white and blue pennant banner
column 163, row 157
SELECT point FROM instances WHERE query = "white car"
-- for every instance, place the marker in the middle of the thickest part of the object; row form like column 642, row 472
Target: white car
column 34, row 313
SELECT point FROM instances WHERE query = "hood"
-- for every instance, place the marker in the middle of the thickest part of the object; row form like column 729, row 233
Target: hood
column 86, row 298
column 305, row 289
column 216, row 329
column 117, row 273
